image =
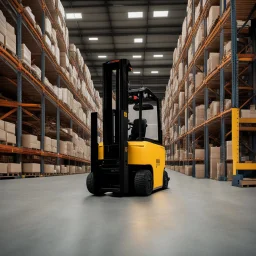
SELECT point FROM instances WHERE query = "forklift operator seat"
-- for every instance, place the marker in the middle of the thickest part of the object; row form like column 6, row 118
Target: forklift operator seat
column 135, row 129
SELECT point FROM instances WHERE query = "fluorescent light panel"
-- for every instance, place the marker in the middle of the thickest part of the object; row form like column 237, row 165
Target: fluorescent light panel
column 73, row 16
column 93, row 38
column 154, row 72
column 102, row 56
column 134, row 15
column 136, row 72
column 136, row 56
column 138, row 40
column 160, row 13
column 158, row 56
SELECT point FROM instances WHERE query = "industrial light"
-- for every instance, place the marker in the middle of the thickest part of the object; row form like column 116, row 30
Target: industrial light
column 134, row 15
column 158, row 56
column 154, row 72
column 160, row 13
column 138, row 40
column 102, row 56
column 93, row 38
column 136, row 56
column 74, row 16
column 136, row 72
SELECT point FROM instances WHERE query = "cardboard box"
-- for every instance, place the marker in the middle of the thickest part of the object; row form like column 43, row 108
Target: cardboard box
column 10, row 138
column 199, row 153
column 245, row 113
column 214, row 13
column 14, row 168
column 47, row 141
column 63, row 147
column 57, row 168
column 64, row 169
column 199, row 78
column 182, row 169
column 2, row 135
column 31, row 168
column 9, row 44
column 221, row 171
column 54, row 143
column 2, row 125
column 1, row 37
column 48, row 147
column 229, row 150
column 72, row 169
column 213, row 61
column 213, row 167
column 188, row 170
column 200, row 171
column 48, row 168
column 3, row 167
column 25, row 54
column 215, row 152
column 9, row 127
column 28, row 140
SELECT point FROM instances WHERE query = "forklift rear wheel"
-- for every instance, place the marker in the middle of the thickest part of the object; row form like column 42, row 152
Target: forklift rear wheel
column 90, row 186
column 143, row 183
column 165, row 180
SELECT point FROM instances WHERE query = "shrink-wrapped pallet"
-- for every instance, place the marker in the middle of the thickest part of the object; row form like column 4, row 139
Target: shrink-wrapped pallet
column 25, row 54
column 14, row 168
column 49, row 168
column 31, row 168
column 3, row 167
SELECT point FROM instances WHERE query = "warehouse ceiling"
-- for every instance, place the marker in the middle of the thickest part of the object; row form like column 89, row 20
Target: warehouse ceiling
column 108, row 22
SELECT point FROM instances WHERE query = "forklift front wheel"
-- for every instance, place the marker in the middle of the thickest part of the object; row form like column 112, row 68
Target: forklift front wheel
column 143, row 183
column 90, row 186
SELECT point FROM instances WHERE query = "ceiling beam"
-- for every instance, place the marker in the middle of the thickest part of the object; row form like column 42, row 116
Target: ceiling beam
column 157, row 49
column 81, row 4
column 167, row 27
column 142, row 66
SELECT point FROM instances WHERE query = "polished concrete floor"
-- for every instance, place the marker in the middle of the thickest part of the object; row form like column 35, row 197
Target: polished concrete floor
column 57, row 216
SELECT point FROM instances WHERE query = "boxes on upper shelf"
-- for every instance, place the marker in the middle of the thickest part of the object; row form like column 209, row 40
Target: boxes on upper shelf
column 25, row 54
column 214, row 13
column 213, row 61
column 9, row 127
column 2, row 135
column 10, row 138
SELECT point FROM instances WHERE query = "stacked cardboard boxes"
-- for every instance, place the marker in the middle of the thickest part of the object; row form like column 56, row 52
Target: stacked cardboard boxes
column 30, row 141
column 7, row 132
column 31, row 168
column 214, row 160
column 200, row 171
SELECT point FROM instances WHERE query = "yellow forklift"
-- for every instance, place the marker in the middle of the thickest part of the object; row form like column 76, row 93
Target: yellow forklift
column 128, row 161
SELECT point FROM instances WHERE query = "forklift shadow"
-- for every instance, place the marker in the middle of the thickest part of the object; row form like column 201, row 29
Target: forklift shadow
column 115, row 195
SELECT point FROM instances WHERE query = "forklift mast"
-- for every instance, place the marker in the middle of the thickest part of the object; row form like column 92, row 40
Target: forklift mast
column 115, row 128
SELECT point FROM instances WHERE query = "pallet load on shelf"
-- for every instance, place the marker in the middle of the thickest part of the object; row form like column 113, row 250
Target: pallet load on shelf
column 30, row 141
column 188, row 170
column 49, row 168
column 200, row 171
column 10, row 168
column 30, row 168
column 214, row 13
column 7, row 132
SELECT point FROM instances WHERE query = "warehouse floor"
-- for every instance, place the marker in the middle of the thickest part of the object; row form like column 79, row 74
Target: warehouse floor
column 57, row 216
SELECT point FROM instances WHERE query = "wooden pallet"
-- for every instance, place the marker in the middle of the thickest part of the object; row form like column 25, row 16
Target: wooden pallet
column 31, row 175
column 247, row 183
column 13, row 175
column 50, row 174
column 7, row 143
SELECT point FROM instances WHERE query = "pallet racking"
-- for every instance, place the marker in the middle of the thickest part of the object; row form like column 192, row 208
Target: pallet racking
column 233, row 78
column 25, row 98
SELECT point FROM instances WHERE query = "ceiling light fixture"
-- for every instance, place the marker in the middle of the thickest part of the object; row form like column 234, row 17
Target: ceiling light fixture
column 138, row 40
column 160, row 14
column 134, row 15
column 136, row 72
column 158, row 56
column 154, row 72
column 136, row 56
column 73, row 16
column 93, row 38
column 102, row 56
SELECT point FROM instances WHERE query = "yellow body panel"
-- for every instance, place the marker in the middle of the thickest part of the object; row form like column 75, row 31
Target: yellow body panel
column 145, row 153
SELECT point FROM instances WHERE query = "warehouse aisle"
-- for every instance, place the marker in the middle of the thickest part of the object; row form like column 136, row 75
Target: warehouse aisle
column 57, row 216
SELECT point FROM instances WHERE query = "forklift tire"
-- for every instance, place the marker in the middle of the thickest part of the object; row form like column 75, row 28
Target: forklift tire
column 90, row 185
column 143, row 183
column 165, row 180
